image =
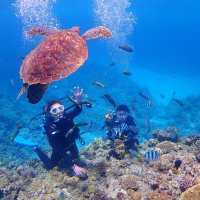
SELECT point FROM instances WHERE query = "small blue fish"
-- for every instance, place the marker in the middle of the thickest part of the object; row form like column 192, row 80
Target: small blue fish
column 177, row 163
column 179, row 102
column 151, row 155
column 1, row 193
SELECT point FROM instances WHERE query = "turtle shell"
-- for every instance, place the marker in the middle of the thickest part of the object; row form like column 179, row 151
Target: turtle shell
column 57, row 56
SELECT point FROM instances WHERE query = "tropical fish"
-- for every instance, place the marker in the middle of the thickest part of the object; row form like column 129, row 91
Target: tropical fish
column 112, row 102
column 109, row 99
column 162, row 96
column 148, row 104
column 112, row 64
column 126, row 48
column 144, row 96
column 151, row 155
column 179, row 102
column 16, row 132
column 97, row 83
column 127, row 73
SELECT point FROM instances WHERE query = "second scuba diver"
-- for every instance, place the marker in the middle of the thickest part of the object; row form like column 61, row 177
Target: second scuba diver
column 62, row 134
column 121, row 127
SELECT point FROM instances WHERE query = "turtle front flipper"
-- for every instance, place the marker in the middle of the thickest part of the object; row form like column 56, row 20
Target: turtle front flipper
column 36, row 92
column 97, row 32
column 46, row 31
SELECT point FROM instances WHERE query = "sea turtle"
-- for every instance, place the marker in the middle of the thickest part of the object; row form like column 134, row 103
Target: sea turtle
column 60, row 54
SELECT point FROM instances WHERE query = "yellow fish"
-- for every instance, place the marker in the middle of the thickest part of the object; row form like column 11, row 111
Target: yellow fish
column 97, row 83
column 16, row 132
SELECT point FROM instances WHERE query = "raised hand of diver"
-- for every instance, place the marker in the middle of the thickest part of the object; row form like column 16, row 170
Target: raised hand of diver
column 78, row 95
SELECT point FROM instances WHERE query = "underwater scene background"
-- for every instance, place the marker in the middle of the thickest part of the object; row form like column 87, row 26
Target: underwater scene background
column 164, row 67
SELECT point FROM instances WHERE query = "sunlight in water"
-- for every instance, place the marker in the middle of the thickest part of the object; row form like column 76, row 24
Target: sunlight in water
column 36, row 13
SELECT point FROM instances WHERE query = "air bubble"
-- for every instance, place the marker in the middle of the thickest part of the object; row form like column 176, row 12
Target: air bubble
column 36, row 13
column 114, row 15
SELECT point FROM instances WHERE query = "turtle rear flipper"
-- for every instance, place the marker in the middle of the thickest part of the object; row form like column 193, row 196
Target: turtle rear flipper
column 36, row 92
column 97, row 32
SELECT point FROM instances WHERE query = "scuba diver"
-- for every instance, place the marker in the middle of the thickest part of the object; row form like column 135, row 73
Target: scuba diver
column 122, row 129
column 62, row 134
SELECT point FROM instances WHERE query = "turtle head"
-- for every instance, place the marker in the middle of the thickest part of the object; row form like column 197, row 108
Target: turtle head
column 75, row 29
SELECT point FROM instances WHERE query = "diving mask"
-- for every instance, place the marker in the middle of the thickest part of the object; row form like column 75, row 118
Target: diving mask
column 57, row 110
column 122, row 115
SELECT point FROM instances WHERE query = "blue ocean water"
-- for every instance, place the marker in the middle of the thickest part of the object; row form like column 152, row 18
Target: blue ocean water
column 164, row 64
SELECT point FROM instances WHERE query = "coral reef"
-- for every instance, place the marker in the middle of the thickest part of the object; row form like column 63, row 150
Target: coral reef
column 161, row 195
column 107, row 179
column 191, row 193
column 167, row 147
column 99, row 195
column 101, row 168
column 194, row 137
column 114, row 179
column 130, row 182
column 170, row 134
column 186, row 182
column 197, row 155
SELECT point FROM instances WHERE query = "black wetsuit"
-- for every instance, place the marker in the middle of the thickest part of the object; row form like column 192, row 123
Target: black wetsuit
column 126, row 131
column 56, row 133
